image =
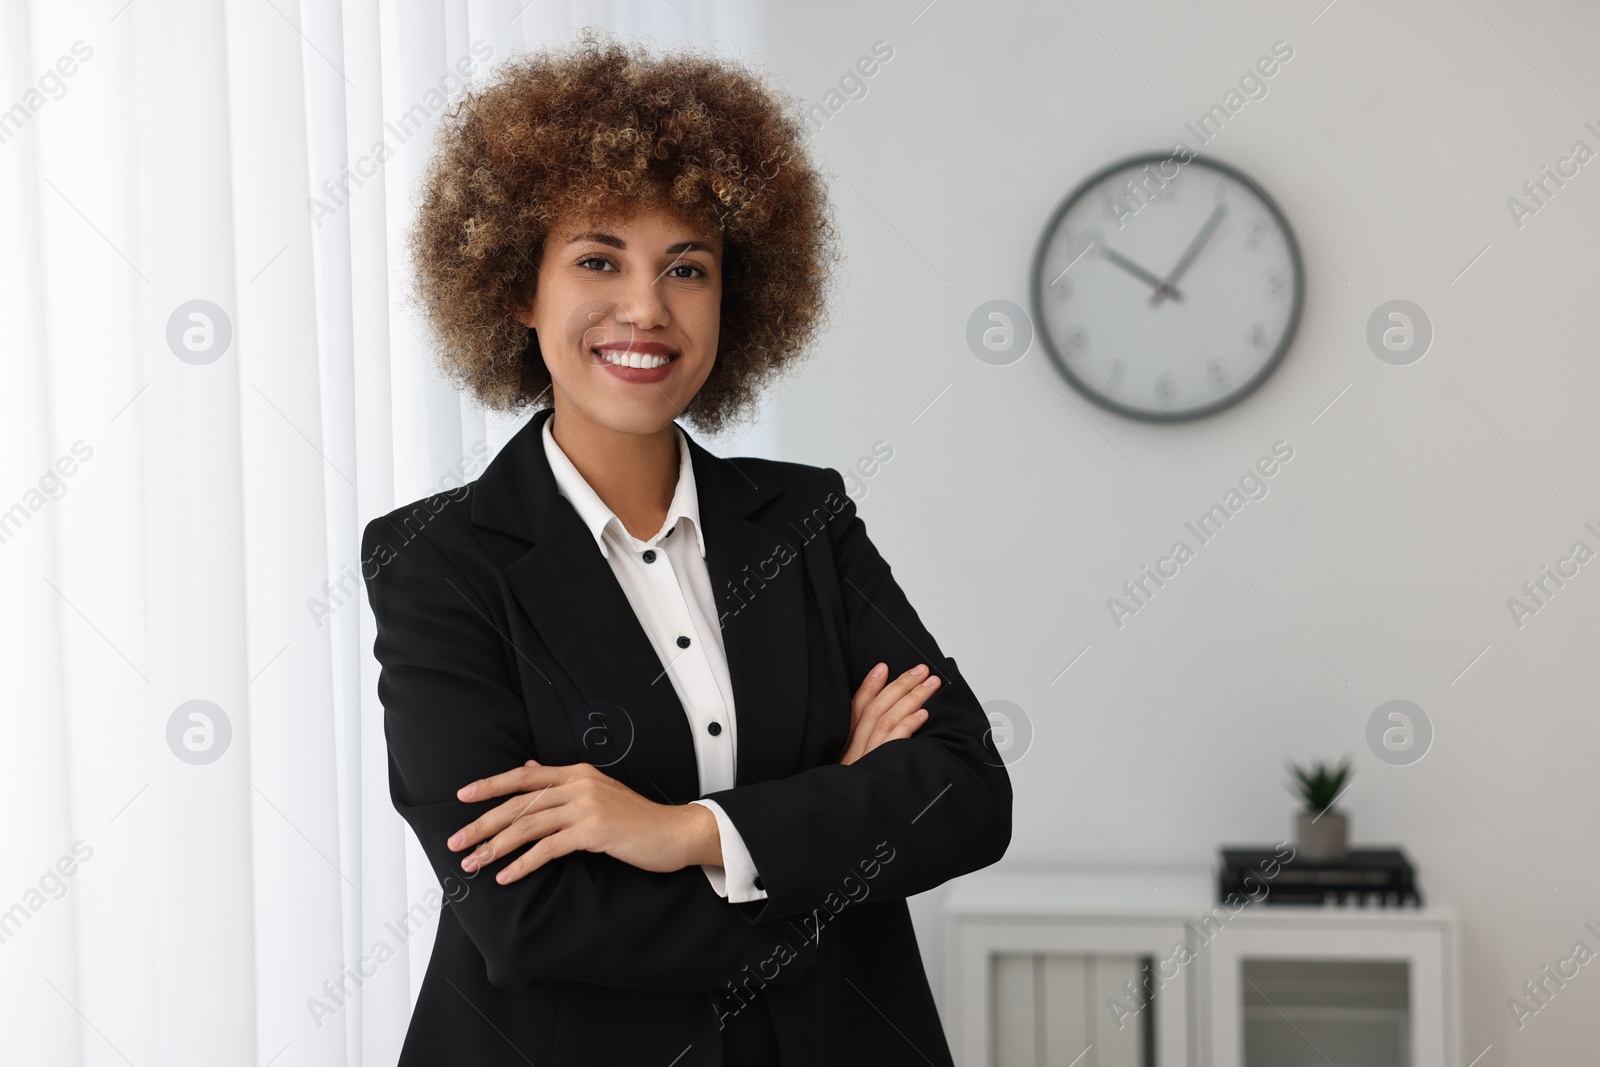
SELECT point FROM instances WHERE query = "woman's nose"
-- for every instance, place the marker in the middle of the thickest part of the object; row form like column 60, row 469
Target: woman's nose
column 643, row 306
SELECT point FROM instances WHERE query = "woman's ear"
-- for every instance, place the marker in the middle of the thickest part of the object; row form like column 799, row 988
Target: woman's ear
column 523, row 312
column 534, row 376
column 522, row 307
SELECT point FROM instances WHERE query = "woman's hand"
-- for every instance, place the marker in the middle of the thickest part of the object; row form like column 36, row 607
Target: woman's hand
column 880, row 712
column 581, row 809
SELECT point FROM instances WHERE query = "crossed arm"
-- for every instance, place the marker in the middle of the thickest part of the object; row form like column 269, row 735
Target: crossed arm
column 563, row 809
column 607, row 892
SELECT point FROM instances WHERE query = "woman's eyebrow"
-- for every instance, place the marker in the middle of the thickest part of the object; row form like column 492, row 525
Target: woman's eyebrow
column 600, row 238
column 614, row 241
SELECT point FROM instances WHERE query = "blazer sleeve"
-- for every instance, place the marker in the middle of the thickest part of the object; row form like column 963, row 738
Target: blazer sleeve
column 451, row 716
column 909, row 815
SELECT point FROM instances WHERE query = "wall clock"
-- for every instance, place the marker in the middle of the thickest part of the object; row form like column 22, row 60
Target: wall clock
column 1167, row 289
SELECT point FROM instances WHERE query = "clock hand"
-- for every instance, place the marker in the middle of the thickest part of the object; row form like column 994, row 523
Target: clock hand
column 1164, row 286
column 1137, row 271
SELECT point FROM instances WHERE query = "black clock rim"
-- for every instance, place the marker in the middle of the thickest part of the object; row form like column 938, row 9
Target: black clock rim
column 1083, row 388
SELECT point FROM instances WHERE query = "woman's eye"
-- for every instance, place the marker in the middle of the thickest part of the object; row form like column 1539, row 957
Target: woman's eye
column 605, row 265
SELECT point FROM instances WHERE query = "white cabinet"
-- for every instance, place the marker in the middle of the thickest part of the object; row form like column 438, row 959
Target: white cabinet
column 1113, row 968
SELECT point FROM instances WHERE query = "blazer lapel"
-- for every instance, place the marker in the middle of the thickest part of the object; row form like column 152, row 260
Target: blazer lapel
column 759, row 590
column 631, row 723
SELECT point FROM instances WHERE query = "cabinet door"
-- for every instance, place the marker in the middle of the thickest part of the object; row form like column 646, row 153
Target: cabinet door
column 1017, row 1011
column 1118, row 1036
column 1056, row 1010
column 1068, row 1007
column 1345, row 988
column 1318, row 1010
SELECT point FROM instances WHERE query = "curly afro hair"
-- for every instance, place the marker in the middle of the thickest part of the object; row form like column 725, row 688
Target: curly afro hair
column 605, row 129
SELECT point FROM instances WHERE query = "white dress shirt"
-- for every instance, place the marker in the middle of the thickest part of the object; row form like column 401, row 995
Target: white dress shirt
column 669, row 587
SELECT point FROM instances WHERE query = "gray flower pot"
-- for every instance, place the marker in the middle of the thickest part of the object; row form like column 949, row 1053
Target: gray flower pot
column 1323, row 839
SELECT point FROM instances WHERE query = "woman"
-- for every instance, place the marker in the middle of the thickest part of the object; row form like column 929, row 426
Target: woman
column 675, row 704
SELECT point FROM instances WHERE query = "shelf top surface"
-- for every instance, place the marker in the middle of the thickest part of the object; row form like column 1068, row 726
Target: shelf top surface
column 1016, row 891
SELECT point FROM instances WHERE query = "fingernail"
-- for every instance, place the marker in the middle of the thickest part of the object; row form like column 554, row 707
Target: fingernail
column 465, row 791
column 470, row 863
column 457, row 839
column 878, row 671
column 930, row 681
column 919, row 670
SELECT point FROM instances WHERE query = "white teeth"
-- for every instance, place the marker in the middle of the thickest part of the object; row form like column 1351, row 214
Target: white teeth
column 633, row 359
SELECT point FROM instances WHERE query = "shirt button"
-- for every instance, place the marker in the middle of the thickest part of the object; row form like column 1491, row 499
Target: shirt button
column 683, row 642
column 756, row 881
column 714, row 728
column 649, row 555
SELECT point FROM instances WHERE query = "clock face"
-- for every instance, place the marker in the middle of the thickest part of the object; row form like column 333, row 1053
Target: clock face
column 1167, row 290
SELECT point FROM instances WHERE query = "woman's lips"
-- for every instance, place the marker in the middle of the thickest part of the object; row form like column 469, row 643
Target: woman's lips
column 641, row 353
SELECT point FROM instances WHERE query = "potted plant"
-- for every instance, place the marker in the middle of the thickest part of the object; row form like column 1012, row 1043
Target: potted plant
column 1321, row 831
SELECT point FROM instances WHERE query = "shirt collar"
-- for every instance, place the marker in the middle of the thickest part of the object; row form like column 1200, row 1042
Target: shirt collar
column 598, row 517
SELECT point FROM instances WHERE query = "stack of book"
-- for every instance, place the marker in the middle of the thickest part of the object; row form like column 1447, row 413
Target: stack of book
column 1366, row 877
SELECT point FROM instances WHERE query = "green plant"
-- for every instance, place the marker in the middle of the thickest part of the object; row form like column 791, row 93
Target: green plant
column 1319, row 785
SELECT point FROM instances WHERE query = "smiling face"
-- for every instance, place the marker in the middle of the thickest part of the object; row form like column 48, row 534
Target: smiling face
column 627, row 314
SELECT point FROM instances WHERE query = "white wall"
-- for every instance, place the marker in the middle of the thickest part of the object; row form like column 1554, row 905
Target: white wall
column 1413, row 508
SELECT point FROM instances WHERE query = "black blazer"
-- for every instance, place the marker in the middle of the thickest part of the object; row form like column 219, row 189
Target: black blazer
column 504, row 636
